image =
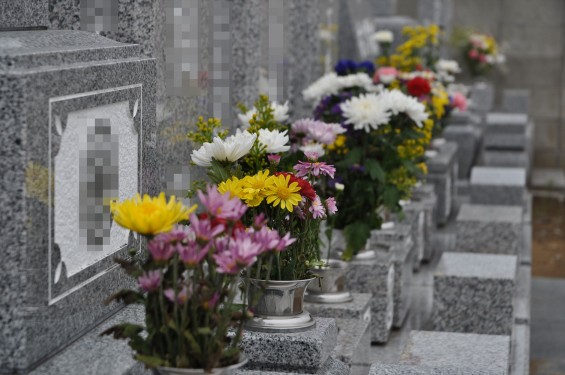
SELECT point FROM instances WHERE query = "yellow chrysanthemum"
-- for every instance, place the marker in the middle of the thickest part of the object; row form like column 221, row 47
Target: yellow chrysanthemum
column 255, row 187
column 284, row 193
column 233, row 185
column 149, row 216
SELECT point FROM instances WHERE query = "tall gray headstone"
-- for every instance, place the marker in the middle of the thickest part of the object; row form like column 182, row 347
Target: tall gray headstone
column 78, row 131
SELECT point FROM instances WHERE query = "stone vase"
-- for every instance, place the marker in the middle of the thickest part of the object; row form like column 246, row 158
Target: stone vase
column 330, row 287
column 228, row 370
column 278, row 306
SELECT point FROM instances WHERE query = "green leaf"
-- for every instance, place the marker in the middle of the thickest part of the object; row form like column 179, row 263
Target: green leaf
column 204, row 331
column 391, row 197
column 150, row 361
column 353, row 157
column 375, row 170
column 193, row 343
column 218, row 172
column 123, row 331
column 126, row 296
column 356, row 236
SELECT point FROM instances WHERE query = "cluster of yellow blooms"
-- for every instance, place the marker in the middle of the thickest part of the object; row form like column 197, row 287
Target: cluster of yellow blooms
column 338, row 147
column 421, row 39
column 149, row 216
column 275, row 190
column 403, row 180
column 415, row 148
column 207, row 130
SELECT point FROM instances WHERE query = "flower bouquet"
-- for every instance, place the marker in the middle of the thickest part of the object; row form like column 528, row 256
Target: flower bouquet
column 189, row 282
column 374, row 168
column 481, row 52
column 261, row 175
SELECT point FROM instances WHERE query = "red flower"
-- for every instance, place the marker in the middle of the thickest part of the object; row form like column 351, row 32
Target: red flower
column 306, row 190
column 418, row 86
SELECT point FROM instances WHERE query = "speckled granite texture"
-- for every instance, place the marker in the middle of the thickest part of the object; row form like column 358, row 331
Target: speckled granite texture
column 426, row 196
column 474, row 293
column 489, row 229
column 469, row 353
column 398, row 241
column 95, row 355
column 396, row 369
column 22, row 14
column 467, row 138
column 304, row 18
column 482, row 97
column 359, row 308
column 302, row 352
column 415, row 215
column 331, row 367
column 497, row 185
column 498, row 158
column 504, row 141
column 443, row 171
column 377, row 277
column 32, row 328
column 500, row 122
column 353, row 341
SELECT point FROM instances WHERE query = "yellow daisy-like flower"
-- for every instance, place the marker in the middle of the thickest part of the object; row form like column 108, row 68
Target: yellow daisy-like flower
column 233, row 185
column 255, row 187
column 284, row 193
column 149, row 216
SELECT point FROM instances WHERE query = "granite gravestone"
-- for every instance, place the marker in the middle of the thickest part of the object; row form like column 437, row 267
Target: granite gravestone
column 207, row 55
column 78, row 132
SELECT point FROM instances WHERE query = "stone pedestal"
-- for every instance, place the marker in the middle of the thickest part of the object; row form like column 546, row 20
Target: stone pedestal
column 375, row 276
column 331, row 367
column 359, row 308
column 398, row 241
column 78, row 118
column 353, row 342
column 446, row 353
column 474, row 293
column 425, row 195
column 442, row 173
column 467, row 138
column 414, row 213
column 302, row 352
column 489, row 229
column 498, row 186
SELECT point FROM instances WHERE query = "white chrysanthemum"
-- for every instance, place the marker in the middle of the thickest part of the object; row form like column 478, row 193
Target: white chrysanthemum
column 238, row 145
column 448, row 66
column 356, row 80
column 365, row 112
column 280, row 111
column 274, row 141
column 383, row 36
column 325, row 85
column 396, row 102
column 246, row 117
column 315, row 147
column 232, row 149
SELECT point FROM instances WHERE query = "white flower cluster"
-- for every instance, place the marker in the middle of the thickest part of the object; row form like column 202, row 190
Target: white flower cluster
column 331, row 84
column 231, row 149
column 280, row 113
column 446, row 69
column 383, row 36
column 369, row 111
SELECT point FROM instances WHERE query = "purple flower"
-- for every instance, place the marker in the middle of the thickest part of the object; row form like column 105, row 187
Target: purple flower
column 192, row 254
column 285, row 242
column 214, row 300
column 160, row 248
column 260, row 221
column 245, row 250
column 316, row 168
column 150, row 280
column 182, row 296
column 274, row 159
column 317, row 209
column 267, row 238
column 331, row 206
column 203, row 230
column 226, row 263
column 221, row 205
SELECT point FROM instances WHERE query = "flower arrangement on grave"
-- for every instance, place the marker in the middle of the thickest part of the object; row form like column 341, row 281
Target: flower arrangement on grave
column 189, row 280
column 272, row 184
column 480, row 51
column 377, row 163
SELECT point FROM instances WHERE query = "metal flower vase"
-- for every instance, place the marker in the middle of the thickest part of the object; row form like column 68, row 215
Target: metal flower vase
column 228, row 370
column 278, row 306
column 330, row 287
